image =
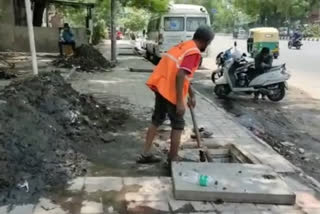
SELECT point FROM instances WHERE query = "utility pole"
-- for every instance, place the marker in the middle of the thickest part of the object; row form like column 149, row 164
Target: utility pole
column 31, row 37
column 113, row 32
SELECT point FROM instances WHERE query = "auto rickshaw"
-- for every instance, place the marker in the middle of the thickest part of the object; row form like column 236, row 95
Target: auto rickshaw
column 263, row 37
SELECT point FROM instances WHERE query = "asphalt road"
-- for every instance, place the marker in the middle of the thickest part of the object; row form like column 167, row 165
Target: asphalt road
column 303, row 64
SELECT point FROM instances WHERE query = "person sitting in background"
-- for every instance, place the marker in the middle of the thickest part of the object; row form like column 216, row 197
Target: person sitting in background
column 66, row 38
column 263, row 62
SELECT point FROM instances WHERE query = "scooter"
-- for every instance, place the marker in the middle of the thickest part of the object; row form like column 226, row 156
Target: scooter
column 239, row 77
column 221, row 58
column 297, row 43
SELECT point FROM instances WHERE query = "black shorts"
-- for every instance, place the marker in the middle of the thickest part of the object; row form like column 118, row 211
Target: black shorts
column 163, row 108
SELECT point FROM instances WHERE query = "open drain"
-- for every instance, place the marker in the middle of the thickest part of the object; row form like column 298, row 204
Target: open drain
column 228, row 154
column 223, row 154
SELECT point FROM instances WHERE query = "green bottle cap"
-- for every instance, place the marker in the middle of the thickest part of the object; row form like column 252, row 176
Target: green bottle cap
column 203, row 180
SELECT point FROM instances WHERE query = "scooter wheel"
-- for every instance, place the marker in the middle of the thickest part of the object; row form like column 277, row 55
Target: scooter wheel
column 279, row 95
column 222, row 91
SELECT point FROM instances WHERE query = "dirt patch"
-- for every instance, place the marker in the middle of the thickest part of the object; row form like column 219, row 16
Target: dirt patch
column 5, row 74
column 43, row 122
column 86, row 58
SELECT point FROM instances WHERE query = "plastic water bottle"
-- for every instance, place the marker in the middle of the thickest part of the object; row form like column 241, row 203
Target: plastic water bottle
column 196, row 178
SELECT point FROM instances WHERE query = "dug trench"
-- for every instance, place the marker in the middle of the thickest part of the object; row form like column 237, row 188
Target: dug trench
column 49, row 134
column 291, row 126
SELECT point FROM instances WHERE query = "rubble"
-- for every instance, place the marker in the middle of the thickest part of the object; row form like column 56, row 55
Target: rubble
column 46, row 128
column 287, row 144
column 86, row 58
column 5, row 74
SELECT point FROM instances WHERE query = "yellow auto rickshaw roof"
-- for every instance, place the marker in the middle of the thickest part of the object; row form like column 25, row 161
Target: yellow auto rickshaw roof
column 265, row 34
column 264, row 30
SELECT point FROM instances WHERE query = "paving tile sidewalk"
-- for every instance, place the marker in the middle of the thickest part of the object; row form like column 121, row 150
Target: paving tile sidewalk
column 146, row 195
column 131, row 86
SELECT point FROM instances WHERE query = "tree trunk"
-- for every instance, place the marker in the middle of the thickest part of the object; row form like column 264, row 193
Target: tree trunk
column 113, row 32
column 39, row 7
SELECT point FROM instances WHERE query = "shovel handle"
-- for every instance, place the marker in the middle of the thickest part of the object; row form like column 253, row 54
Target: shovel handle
column 195, row 127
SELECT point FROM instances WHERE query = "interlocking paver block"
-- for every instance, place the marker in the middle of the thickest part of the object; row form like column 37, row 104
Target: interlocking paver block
column 202, row 206
column 307, row 200
column 91, row 207
column 46, row 206
column 76, row 184
column 105, row 184
column 151, row 189
column 22, row 209
column 147, row 207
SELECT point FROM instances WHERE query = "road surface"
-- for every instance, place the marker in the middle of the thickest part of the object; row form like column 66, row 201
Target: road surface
column 303, row 64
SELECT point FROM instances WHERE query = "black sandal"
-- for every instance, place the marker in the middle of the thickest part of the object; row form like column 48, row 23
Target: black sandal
column 149, row 159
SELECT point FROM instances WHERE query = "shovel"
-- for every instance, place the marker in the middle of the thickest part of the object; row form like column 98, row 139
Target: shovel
column 198, row 138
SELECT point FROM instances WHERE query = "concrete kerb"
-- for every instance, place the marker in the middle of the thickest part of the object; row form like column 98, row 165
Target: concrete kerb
column 312, row 39
column 314, row 182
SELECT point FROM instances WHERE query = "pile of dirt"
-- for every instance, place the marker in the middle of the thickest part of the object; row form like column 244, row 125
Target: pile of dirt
column 45, row 127
column 5, row 74
column 86, row 58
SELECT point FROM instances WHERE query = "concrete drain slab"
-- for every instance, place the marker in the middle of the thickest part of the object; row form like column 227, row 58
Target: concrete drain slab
column 234, row 182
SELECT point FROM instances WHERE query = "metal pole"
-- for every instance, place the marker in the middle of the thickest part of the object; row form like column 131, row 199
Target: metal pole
column 113, row 32
column 47, row 14
column 31, row 37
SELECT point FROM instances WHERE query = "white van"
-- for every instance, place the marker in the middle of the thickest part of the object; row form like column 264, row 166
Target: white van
column 177, row 25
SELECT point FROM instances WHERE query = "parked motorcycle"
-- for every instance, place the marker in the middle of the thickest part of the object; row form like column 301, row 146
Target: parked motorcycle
column 296, row 44
column 239, row 76
column 221, row 58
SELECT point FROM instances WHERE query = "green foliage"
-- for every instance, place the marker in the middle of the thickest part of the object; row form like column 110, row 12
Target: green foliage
column 226, row 17
column 74, row 16
column 99, row 32
column 150, row 5
column 135, row 19
column 312, row 31
column 276, row 12
column 270, row 12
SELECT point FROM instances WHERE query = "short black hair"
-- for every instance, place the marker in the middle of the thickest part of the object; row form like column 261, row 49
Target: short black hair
column 265, row 51
column 66, row 25
column 204, row 33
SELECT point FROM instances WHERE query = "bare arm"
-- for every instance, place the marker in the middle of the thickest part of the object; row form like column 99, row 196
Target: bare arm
column 179, row 90
column 191, row 98
column 179, row 85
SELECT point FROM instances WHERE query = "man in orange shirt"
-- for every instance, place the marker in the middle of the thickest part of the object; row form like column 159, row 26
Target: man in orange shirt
column 170, row 81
